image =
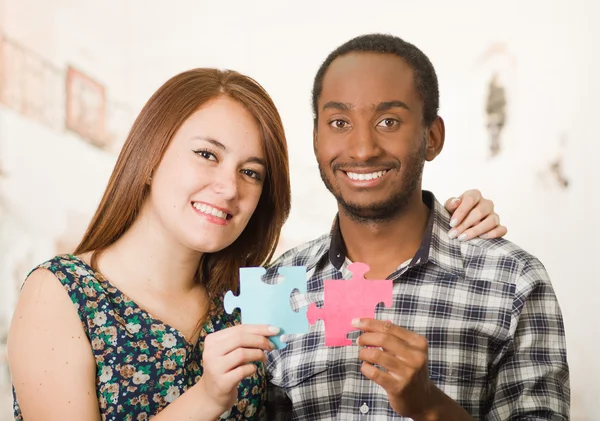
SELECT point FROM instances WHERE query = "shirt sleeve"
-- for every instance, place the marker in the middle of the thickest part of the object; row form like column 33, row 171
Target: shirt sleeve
column 532, row 380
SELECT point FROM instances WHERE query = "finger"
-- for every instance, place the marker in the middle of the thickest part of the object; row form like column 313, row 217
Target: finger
column 387, row 327
column 395, row 361
column 385, row 380
column 225, row 344
column 451, row 204
column 468, row 201
column 475, row 217
column 239, row 357
column 233, row 378
column 255, row 329
column 489, row 223
column 499, row 231
column 387, row 342
column 225, row 335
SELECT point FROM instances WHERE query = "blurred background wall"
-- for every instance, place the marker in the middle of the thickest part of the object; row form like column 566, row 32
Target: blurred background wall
column 519, row 94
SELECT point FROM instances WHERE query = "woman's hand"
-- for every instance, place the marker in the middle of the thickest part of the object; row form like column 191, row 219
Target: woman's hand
column 473, row 216
column 228, row 358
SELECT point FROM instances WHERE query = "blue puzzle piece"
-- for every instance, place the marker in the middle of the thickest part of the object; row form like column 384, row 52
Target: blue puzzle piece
column 262, row 303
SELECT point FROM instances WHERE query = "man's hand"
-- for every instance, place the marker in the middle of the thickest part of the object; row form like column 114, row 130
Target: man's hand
column 402, row 355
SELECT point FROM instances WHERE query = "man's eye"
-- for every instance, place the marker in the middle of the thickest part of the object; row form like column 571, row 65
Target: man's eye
column 388, row 122
column 339, row 124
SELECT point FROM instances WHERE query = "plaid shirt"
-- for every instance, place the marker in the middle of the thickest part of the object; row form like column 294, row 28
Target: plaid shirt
column 487, row 308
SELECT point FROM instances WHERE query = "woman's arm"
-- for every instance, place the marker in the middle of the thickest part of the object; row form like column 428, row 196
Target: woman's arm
column 50, row 357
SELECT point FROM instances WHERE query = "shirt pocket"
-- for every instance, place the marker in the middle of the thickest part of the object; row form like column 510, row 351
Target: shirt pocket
column 463, row 379
column 461, row 354
column 457, row 373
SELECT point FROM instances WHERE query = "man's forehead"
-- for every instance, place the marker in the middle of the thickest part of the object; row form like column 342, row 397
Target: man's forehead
column 366, row 80
column 358, row 71
column 357, row 62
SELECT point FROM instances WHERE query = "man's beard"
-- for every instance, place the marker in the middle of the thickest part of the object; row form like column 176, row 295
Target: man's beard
column 386, row 210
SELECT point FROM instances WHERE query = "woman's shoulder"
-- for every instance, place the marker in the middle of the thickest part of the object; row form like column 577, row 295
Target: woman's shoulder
column 43, row 303
column 64, row 272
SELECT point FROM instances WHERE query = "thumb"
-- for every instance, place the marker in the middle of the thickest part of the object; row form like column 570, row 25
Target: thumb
column 452, row 204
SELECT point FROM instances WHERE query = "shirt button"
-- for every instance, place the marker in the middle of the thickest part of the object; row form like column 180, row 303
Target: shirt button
column 364, row 408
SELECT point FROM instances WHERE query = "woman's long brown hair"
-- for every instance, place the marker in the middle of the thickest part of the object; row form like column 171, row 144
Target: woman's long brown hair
column 152, row 131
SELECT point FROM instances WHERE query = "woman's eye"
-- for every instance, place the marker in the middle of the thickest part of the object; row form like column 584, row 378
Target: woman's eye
column 206, row 155
column 252, row 174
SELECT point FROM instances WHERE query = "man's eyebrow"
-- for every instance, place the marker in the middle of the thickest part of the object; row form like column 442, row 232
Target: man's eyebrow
column 341, row 106
column 388, row 105
column 382, row 106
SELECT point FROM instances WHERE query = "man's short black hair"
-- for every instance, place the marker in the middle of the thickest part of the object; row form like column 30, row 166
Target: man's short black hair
column 425, row 78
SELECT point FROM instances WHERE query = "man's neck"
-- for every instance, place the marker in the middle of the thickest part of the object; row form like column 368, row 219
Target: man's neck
column 385, row 245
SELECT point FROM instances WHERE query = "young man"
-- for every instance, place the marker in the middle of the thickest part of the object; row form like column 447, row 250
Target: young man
column 475, row 330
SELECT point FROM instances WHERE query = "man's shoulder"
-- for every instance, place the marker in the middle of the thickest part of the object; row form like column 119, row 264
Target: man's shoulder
column 500, row 247
column 498, row 258
column 306, row 254
column 501, row 254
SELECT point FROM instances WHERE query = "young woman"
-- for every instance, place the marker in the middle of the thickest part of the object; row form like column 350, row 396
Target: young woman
column 200, row 189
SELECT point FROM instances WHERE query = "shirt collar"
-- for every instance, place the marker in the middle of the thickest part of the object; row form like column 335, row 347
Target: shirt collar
column 436, row 246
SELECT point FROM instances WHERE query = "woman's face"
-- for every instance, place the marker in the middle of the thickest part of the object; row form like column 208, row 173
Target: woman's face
column 210, row 179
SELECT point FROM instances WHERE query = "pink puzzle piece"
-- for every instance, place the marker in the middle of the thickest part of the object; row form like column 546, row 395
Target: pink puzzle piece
column 349, row 299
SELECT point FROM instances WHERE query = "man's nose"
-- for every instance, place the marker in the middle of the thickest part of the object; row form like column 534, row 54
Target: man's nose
column 363, row 145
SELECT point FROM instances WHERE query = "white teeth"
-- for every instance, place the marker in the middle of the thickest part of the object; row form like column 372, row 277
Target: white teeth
column 369, row 176
column 209, row 210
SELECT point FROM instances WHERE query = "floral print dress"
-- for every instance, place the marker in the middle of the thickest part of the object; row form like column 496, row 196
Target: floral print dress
column 142, row 364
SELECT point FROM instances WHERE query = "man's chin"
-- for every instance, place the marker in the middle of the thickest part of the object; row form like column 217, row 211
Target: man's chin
column 368, row 212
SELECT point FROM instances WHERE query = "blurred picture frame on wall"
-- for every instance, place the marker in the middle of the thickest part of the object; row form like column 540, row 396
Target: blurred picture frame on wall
column 11, row 59
column 31, row 85
column 86, row 108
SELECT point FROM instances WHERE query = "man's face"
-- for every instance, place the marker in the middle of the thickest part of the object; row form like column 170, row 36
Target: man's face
column 370, row 140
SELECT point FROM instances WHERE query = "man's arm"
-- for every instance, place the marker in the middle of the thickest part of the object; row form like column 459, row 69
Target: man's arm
column 533, row 380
